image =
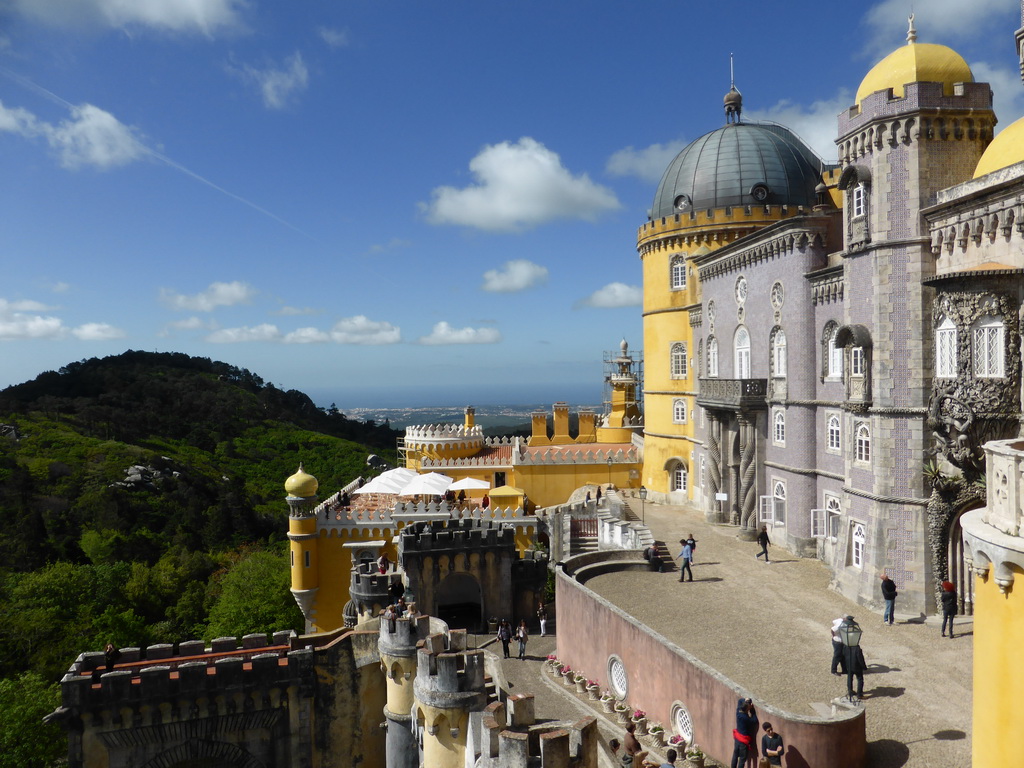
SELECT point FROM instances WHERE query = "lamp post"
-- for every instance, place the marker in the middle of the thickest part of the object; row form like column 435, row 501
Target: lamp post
column 643, row 504
column 609, row 472
column 850, row 633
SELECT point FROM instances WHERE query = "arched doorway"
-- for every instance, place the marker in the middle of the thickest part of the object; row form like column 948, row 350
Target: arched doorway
column 956, row 569
column 458, row 601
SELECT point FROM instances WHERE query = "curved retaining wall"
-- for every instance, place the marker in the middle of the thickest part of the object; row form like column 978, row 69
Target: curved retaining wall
column 660, row 673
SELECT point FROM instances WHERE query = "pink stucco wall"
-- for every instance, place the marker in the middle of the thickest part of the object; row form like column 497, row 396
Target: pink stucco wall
column 660, row 673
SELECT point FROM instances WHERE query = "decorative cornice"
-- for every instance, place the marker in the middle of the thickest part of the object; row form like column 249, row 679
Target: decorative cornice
column 881, row 411
column 687, row 438
column 671, row 392
column 687, row 308
column 771, row 246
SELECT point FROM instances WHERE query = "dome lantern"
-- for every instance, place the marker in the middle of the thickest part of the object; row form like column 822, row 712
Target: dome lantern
column 301, row 485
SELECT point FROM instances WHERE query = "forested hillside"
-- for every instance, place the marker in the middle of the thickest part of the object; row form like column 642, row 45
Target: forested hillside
column 141, row 501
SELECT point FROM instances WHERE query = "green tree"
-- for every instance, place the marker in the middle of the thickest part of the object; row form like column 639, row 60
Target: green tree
column 254, row 597
column 25, row 740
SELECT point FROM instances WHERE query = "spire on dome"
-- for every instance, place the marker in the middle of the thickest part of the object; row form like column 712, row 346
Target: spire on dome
column 733, row 100
column 911, row 32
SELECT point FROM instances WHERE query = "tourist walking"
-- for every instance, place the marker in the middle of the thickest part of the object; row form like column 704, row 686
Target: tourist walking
column 948, row 607
column 771, row 745
column 764, row 541
column 855, row 666
column 505, row 635
column 838, row 661
column 542, row 617
column 744, row 733
column 522, row 636
column 687, row 555
column 693, row 546
column 889, row 594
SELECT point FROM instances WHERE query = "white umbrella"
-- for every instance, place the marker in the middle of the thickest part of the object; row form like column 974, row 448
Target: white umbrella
column 389, row 482
column 430, row 484
column 469, row 484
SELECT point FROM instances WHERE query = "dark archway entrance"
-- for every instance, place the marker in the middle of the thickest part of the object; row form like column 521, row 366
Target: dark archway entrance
column 458, row 601
column 957, row 570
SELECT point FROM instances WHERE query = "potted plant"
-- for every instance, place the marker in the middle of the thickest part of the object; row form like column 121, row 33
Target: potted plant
column 550, row 661
column 592, row 690
column 639, row 718
column 656, row 734
column 695, row 756
column 607, row 702
column 581, row 684
column 567, row 676
column 622, row 712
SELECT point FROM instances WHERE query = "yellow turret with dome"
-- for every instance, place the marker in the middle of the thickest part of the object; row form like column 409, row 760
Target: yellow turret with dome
column 916, row 63
column 301, row 485
column 1005, row 150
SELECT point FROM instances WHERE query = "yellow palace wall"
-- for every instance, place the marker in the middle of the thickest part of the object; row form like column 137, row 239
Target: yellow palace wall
column 998, row 672
column 551, row 484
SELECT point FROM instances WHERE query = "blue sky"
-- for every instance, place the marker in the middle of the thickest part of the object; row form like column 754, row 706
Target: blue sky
column 382, row 203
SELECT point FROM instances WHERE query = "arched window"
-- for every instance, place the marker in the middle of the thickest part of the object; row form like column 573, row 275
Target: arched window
column 858, row 362
column 680, row 478
column 779, row 428
column 678, row 362
column 712, row 357
column 945, row 350
column 779, row 354
column 863, row 443
column 679, row 411
column 859, row 538
column 741, row 347
column 779, row 495
column 678, row 269
column 988, row 346
column 833, row 358
column 835, row 435
column 860, row 206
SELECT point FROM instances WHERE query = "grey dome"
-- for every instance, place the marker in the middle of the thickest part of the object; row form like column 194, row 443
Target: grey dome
column 740, row 164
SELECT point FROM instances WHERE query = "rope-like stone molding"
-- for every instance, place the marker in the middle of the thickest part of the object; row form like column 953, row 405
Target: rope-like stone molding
column 884, row 499
column 802, row 471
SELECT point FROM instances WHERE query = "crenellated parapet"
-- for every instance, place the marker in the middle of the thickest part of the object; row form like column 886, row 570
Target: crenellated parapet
column 572, row 455
column 467, row 536
column 370, row 589
column 515, row 740
column 707, row 228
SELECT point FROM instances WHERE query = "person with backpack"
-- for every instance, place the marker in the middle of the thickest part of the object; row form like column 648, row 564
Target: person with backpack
column 505, row 635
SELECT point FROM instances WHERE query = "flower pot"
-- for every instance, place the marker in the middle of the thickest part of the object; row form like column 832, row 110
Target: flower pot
column 593, row 693
column 622, row 715
column 608, row 705
column 556, row 669
column 581, row 687
column 695, row 762
column 641, row 726
column 656, row 739
column 567, row 680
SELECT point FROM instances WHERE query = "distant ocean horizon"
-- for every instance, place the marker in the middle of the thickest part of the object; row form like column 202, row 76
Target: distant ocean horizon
column 491, row 396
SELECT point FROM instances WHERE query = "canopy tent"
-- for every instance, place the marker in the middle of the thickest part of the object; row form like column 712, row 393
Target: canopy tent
column 391, row 481
column 469, row 484
column 506, row 492
column 430, row 484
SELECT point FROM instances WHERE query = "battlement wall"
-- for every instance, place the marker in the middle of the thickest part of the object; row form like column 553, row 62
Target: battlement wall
column 974, row 98
column 467, row 536
column 559, row 455
column 338, row 520
column 435, row 432
column 518, row 742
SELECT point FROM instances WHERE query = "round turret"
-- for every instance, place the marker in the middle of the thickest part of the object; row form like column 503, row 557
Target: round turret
column 1005, row 150
column 301, row 485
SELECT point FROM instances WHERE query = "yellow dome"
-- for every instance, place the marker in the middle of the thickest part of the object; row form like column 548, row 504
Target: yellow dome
column 916, row 63
column 1006, row 149
column 301, row 485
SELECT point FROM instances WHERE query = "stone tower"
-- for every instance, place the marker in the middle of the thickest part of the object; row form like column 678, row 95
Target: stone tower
column 301, row 489
column 397, row 647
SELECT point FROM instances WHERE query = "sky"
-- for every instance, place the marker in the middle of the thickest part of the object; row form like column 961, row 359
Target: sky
column 390, row 203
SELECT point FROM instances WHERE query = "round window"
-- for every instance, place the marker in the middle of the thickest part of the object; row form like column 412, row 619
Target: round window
column 682, row 721
column 617, row 677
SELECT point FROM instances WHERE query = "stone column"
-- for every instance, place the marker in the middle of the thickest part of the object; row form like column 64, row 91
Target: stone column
column 397, row 646
column 747, row 473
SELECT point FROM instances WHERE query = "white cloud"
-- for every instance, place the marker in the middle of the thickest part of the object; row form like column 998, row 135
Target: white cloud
column 935, row 21
column 60, row 287
column 91, row 136
column 217, row 295
column 278, row 83
column 336, row 38
column 264, row 332
column 202, row 16
column 362, row 330
column 443, row 333
column 24, row 305
column 648, row 163
column 287, row 311
column 1007, row 95
column 614, row 295
column 516, row 275
column 307, row 336
column 518, row 186
column 97, row 332
column 16, row 325
column 817, row 124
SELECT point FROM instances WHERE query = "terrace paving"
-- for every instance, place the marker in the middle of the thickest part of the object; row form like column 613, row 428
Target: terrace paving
column 766, row 626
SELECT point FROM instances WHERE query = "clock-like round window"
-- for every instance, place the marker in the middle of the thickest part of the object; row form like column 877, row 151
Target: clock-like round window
column 682, row 203
column 741, row 289
column 778, row 295
column 683, row 722
column 617, row 677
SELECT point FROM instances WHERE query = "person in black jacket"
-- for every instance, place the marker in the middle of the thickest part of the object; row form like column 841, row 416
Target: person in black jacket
column 889, row 595
column 745, row 733
column 948, row 607
column 762, row 539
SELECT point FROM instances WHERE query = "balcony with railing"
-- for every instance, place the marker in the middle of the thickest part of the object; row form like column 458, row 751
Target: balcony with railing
column 742, row 394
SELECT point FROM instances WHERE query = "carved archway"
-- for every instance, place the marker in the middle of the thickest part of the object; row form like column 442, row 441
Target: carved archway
column 200, row 753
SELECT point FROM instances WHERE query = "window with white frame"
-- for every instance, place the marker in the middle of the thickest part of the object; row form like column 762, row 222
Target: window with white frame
column 680, row 478
column 779, row 427
column 833, row 354
column 857, row 362
column 678, row 272
column 678, row 360
column 862, row 444
column 859, row 201
column 712, row 357
column 679, row 411
column 741, row 347
column 945, row 349
column 858, row 539
column 779, row 497
column 703, row 469
column 779, row 354
column 834, row 442
column 987, row 336
column 834, row 510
